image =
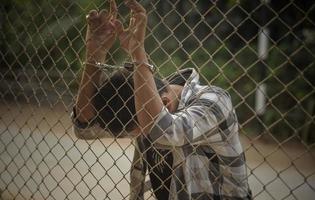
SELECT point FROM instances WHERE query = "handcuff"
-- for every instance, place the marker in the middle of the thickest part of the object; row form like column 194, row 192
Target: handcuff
column 130, row 66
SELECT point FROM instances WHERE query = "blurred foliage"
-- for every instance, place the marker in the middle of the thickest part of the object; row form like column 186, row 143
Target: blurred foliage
column 218, row 38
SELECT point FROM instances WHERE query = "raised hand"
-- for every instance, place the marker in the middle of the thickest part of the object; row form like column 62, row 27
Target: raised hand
column 100, row 36
column 132, row 38
column 101, row 32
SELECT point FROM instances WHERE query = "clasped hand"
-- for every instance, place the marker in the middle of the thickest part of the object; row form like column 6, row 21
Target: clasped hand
column 103, row 27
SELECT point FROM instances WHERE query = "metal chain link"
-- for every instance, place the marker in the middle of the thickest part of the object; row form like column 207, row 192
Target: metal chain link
column 261, row 52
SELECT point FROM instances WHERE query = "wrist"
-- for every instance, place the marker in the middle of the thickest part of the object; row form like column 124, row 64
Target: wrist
column 139, row 55
column 95, row 55
column 95, row 52
column 91, row 60
column 144, row 65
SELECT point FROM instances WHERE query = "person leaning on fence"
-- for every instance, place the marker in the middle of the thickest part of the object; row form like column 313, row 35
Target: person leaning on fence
column 186, row 134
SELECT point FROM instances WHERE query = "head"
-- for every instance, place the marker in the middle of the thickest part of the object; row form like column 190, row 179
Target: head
column 115, row 104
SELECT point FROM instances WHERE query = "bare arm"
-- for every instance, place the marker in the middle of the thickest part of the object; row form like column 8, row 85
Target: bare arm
column 100, row 37
column 147, row 100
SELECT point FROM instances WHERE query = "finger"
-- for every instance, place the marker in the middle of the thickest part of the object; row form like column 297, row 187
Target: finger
column 103, row 14
column 140, row 18
column 135, row 6
column 118, row 27
column 132, row 20
column 121, row 32
column 92, row 15
column 113, row 9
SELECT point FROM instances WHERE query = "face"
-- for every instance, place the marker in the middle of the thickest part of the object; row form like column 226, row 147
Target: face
column 172, row 97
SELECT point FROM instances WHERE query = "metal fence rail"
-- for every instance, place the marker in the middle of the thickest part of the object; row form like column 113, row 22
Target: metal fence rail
column 262, row 52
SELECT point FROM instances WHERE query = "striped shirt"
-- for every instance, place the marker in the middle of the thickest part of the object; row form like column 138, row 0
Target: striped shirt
column 208, row 159
column 202, row 136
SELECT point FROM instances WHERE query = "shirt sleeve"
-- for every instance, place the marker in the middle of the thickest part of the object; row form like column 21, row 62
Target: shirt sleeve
column 209, row 118
column 89, row 130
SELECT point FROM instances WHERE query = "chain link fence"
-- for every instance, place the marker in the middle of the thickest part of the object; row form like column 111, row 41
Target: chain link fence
column 262, row 52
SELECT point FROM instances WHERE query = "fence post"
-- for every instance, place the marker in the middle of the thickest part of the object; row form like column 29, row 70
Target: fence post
column 261, row 91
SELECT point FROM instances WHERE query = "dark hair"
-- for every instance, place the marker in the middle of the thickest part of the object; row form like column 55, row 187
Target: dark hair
column 114, row 102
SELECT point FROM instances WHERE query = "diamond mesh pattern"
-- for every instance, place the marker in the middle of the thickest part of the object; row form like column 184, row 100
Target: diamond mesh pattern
column 42, row 51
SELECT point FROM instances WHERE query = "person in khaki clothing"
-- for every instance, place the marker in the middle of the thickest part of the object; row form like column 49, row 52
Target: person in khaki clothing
column 186, row 134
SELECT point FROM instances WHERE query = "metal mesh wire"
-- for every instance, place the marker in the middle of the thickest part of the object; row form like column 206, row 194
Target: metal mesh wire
column 262, row 52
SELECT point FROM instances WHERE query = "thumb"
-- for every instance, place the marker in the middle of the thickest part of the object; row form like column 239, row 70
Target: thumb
column 118, row 27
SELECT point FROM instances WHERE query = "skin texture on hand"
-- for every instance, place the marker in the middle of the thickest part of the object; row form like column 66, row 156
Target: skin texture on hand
column 132, row 38
column 101, row 34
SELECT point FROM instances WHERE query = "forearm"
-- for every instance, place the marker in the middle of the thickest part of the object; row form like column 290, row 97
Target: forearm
column 148, row 103
column 99, row 38
column 88, row 85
